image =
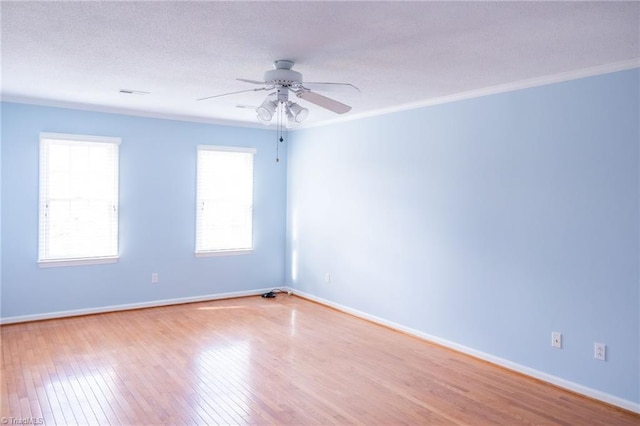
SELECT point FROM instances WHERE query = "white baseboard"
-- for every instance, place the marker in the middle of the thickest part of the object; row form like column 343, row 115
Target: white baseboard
column 566, row 384
column 129, row 306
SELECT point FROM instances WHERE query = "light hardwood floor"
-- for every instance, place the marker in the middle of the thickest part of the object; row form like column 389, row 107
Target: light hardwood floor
column 261, row 361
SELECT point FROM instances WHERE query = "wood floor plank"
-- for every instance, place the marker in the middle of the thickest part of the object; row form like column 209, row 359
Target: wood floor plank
column 286, row 361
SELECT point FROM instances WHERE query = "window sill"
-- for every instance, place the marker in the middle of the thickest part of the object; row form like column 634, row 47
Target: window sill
column 77, row 262
column 214, row 253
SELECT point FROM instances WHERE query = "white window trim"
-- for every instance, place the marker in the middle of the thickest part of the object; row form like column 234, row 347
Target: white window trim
column 80, row 138
column 214, row 253
column 49, row 263
column 228, row 148
column 77, row 262
column 227, row 252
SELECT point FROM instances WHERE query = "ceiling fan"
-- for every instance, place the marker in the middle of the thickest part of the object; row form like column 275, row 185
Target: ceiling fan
column 282, row 79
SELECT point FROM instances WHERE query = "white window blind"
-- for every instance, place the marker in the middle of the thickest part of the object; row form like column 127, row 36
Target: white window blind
column 78, row 199
column 224, row 200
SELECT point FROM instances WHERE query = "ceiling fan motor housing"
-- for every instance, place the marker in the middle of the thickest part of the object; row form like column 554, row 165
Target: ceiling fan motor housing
column 282, row 77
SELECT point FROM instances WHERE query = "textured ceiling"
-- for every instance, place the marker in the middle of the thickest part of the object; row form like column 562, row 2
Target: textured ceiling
column 397, row 53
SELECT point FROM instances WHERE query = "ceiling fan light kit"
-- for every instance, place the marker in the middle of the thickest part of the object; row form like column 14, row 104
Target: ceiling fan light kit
column 299, row 113
column 266, row 110
column 269, row 107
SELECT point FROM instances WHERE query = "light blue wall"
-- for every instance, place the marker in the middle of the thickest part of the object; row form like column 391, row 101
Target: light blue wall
column 489, row 222
column 157, row 214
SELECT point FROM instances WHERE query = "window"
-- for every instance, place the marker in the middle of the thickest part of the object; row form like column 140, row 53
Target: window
column 224, row 200
column 78, row 199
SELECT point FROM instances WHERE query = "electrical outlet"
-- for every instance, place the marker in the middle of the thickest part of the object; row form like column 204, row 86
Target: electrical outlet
column 556, row 339
column 600, row 351
column 327, row 278
column 154, row 278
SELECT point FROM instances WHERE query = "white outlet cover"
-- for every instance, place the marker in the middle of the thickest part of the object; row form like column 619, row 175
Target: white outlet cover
column 556, row 339
column 600, row 351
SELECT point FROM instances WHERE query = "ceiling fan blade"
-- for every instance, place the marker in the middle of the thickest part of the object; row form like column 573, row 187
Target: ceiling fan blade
column 233, row 93
column 330, row 87
column 324, row 102
column 250, row 81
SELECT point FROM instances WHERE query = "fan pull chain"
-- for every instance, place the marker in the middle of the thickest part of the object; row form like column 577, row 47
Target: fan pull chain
column 279, row 132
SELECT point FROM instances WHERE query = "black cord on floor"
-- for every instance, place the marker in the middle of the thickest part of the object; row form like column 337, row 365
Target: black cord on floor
column 271, row 294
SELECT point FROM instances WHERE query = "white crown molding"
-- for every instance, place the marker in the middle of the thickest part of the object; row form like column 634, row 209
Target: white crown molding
column 527, row 371
column 125, row 111
column 491, row 90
